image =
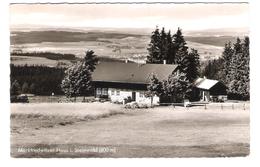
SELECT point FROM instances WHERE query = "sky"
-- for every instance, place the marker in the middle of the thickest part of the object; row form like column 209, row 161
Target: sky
column 187, row 16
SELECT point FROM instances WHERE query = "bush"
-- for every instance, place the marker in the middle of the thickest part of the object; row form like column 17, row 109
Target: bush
column 134, row 105
column 128, row 100
column 19, row 99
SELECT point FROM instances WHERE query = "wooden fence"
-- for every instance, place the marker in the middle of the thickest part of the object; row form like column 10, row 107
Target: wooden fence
column 205, row 105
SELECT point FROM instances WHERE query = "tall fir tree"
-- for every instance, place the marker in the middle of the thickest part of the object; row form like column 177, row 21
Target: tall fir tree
column 154, row 48
column 86, row 68
column 227, row 58
column 163, row 46
column 181, row 52
column 90, row 60
column 170, row 50
column 180, row 48
column 238, row 87
column 193, row 65
column 245, row 50
column 238, row 46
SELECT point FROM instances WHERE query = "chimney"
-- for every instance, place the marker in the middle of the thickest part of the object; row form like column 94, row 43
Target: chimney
column 164, row 61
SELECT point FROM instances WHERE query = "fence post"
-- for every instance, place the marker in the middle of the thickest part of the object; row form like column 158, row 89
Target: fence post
column 232, row 106
column 221, row 106
column 205, row 107
column 244, row 106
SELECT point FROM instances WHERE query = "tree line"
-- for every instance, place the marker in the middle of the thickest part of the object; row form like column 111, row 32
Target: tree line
column 40, row 80
column 48, row 55
column 232, row 68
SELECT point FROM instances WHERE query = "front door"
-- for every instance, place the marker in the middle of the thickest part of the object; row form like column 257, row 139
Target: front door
column 133, row 96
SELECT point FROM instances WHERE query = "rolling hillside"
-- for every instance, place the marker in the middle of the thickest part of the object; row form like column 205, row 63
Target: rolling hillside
column 110, row 43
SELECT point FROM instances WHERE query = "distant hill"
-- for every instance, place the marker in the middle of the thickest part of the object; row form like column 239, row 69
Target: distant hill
column 211, row 40
column 22, row 37
column 234, row 32
column 113, row 43
column 25, row 37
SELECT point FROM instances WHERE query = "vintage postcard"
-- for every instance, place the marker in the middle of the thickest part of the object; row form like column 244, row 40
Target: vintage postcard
column 129, row 80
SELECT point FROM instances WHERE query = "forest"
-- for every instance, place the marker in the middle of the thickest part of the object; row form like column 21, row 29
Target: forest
column 39, row 80
column 48, row 55
column 232, row 69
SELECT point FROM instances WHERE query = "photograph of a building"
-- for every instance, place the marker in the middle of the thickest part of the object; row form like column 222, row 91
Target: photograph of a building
column 129, row 80
column 118, row 81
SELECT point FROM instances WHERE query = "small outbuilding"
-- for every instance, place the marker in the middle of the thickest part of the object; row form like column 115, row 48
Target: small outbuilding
column 211, row 90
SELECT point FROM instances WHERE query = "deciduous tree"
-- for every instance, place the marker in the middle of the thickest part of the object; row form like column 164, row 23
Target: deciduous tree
column 177, row 87
column 154, row 87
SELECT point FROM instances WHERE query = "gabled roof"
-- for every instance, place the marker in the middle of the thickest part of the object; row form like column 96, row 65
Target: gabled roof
column 131, row 72
column 203, row 83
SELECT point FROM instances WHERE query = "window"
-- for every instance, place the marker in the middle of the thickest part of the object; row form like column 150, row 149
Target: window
column 112, row 92
column 98, row 91
column 104, row 91
column 117, row 92
column 141, row 94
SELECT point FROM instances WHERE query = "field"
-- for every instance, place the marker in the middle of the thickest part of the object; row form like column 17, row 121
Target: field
column 109, row 130
column 117, row 45
column 22, row 60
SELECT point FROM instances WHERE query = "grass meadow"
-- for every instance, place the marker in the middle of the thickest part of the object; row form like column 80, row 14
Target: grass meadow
column 109, row 130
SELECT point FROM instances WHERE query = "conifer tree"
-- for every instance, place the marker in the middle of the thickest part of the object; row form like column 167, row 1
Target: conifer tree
column 227, row 56
column 154, row 48
column 238, row 46
column 163, row 46
column 193, row 65
column 180, row 48
column 246, row 69
column 170, row 50
column 238, row 87
column 90, row 60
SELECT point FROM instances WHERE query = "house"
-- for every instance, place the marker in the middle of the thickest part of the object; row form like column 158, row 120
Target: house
column 117, row 81
column 210, row 90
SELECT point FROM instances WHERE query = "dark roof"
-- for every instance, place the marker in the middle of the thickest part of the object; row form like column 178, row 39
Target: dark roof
column 131, row 72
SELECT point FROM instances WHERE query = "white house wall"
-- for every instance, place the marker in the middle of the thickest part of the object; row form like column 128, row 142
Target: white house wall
column 146, row 100
column 128, row 93
column 118, row 98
